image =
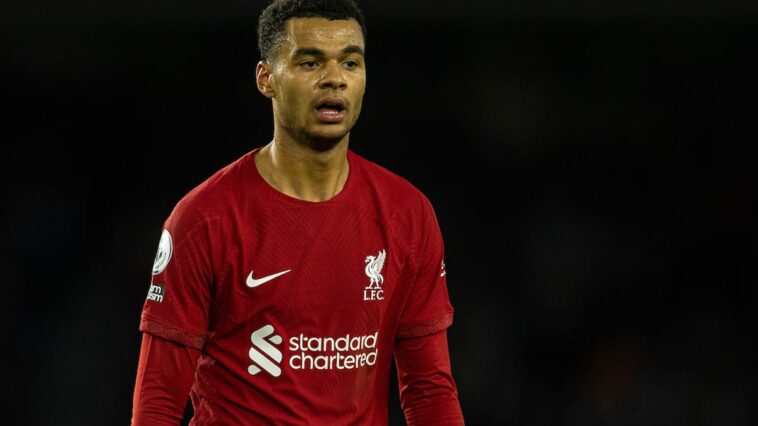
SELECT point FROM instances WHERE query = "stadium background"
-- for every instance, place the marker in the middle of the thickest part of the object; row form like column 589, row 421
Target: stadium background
column 589, row 163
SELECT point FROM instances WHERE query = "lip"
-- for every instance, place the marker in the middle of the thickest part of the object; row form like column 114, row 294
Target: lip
column 331, row 109
column 332, row 100
column 330, row 115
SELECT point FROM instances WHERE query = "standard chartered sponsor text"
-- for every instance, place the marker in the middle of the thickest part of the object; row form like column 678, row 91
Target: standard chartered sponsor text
column 326, row 353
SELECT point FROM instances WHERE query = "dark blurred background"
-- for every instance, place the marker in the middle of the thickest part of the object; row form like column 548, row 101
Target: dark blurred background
column 590, row 164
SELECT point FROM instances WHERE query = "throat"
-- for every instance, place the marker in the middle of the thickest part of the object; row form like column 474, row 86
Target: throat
column 306, row 176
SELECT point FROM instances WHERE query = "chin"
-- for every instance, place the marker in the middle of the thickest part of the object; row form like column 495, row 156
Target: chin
column 322, row 141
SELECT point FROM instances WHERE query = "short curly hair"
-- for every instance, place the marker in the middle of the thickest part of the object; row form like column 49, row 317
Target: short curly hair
column 272, row 20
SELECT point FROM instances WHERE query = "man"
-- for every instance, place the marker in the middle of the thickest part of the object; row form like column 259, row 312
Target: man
column 285, row 282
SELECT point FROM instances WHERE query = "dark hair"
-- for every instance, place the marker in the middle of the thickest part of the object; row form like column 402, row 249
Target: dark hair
column 272, row 19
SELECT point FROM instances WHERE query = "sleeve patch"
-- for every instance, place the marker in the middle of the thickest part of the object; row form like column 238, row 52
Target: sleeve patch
column 163, row 255
column 156, row 293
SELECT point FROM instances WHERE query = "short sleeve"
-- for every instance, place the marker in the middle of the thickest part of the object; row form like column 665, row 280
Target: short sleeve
column 180, row 293
column 428, row 309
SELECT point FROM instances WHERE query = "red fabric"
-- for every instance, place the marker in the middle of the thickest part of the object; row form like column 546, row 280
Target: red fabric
column 342, row 280
column 164, row 376
column 428, row 394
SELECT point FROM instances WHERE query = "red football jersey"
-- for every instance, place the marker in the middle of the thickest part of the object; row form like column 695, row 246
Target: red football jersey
column 296, row 304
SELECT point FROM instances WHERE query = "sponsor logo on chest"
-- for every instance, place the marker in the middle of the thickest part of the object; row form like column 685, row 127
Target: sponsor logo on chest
column 310, row 352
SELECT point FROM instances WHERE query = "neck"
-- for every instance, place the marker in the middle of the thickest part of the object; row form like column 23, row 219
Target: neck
column 301, row 172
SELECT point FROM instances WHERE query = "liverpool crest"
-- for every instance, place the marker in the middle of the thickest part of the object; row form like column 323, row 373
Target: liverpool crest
column 374, row 265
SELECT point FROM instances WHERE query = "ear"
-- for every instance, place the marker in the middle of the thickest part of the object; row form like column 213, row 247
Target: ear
column 264, row 79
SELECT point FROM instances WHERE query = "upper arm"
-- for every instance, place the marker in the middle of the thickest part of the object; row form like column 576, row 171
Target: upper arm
column 181, row 288
column 428, row 308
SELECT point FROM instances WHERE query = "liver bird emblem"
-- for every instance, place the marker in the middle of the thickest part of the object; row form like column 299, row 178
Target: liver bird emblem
column 374, row 266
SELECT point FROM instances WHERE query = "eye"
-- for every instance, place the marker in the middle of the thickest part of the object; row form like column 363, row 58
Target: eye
column 309, row 64
column 350, row 64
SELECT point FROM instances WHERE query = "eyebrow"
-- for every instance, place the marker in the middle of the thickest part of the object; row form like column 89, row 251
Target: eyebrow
column 312, row 51
column 353, row 49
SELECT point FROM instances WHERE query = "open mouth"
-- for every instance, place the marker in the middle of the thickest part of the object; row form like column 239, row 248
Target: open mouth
column 331, row 110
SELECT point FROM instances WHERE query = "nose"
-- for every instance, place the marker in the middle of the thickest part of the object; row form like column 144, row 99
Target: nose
column 332, row 77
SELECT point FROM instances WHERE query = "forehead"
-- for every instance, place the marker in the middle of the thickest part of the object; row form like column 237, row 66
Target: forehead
column 321, row 33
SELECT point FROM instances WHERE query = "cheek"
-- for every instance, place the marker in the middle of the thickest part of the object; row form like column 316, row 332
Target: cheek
column 360, row 89
column 293, row 102
column 358, row 102
column 298, row 97
column 358, row 108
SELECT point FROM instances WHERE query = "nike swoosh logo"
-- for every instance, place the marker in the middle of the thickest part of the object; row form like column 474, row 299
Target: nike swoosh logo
column 252, row 282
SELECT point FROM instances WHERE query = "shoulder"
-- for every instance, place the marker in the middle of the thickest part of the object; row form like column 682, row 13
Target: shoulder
column 391, row 187
column 209, row 199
